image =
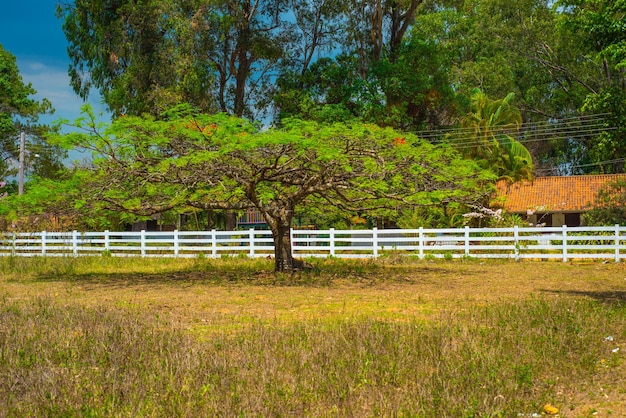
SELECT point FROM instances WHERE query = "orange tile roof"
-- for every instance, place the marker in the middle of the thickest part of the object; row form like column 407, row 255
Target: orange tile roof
column 552, row 194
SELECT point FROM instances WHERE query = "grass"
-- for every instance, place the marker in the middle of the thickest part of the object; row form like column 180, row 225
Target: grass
column 131, row 337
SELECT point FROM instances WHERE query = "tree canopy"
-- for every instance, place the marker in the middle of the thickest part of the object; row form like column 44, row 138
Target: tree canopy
column 20, row 112
column 411, row 64
column 610, row 206
column 317, row 104
column 215, row 161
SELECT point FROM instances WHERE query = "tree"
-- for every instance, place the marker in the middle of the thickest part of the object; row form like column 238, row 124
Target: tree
column 383, row 70
column 488, row 134
column 145, row 56
column 330, row 90
column 19, row 112
column 610, row 206
column 191, row 159
column 601, row 29
column 52, row 205
column 376, row 28
column 130, row 52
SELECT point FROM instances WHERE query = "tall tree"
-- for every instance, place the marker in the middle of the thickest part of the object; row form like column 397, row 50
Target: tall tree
column 124, row 49
column 242, row 43
column 318, row 29
column 600, row 26
column 20, row 112
column 144, row 56
column 376, row 28
column 376, row 63
column 223, row 162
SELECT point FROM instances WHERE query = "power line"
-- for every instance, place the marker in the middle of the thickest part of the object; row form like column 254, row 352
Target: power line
column 474, row 143
column 590, row 125
column 436, row 133
column 617, row 160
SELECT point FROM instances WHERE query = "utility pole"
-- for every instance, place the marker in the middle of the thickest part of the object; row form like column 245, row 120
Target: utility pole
column 20, row 189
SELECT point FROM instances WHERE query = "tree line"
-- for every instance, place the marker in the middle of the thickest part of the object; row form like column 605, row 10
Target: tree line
column 409, row 64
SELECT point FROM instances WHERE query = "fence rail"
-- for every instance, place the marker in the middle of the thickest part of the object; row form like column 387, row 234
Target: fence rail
column 561, row 243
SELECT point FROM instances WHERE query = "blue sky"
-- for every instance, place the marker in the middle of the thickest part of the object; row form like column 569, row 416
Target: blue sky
column 30, row 30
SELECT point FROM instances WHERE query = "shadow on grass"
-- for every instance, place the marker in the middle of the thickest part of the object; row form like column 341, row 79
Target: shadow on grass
column 241, row 272
column 602, row 296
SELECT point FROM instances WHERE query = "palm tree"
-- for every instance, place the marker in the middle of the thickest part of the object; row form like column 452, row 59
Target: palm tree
column 487, row 134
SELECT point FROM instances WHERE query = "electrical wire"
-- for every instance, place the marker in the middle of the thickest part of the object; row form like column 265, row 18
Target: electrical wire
column 522, row 126
column 617, row 160
column 465, row 138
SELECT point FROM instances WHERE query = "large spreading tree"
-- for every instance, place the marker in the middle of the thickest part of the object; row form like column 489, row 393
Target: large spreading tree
column 191, row 159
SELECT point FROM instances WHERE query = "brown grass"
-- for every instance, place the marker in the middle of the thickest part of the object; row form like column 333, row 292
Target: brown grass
column 229, row 299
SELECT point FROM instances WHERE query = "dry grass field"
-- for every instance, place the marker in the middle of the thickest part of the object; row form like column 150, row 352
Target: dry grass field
column 396, row 337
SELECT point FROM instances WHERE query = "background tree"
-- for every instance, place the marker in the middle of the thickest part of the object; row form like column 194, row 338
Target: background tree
column 489, row 134
column 148, row 55
column 147, row 166
column 372, row 71
column 610, row 207
column 19, row 112
column 601, row 30
column 408, row 64
column 129, row 52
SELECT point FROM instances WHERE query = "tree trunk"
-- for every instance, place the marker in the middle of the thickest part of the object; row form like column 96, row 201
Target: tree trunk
column 282, row 249
column 279, row 220
column 231, row 221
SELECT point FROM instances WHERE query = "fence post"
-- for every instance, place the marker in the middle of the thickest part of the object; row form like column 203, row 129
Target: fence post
column 420, row 243
column 617, row 240
column 213, row 244
column 176, row 243
column 143, row 242
column 375, row 241
column 564, row 233
column 75, row 243
column 14, row 245
column 467, row 241
column 107, row 241
column 43, row 243
column 516, row 242
column 251, row 236
column 332, row 241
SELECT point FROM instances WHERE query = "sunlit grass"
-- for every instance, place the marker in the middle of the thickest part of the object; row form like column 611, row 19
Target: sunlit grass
column 496, row 360
column 157, row 337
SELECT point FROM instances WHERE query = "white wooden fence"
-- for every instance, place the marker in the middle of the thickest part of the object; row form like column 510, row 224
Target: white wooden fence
column 561, row 243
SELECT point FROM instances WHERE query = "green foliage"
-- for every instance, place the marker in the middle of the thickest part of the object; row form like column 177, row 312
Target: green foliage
column 410, row 65
column 154, row 54
column 60, row 204
column 19, row 112
column 436, row 216
column 487, row 134
column 600, row 29
column 601, row 26
column 610, row 206
column 609, row 148
column 189, row 159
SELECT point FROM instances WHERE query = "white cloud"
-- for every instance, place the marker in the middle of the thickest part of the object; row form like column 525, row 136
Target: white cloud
column 53, row 83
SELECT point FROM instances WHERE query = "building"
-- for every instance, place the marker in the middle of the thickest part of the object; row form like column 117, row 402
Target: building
column 552, row 201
